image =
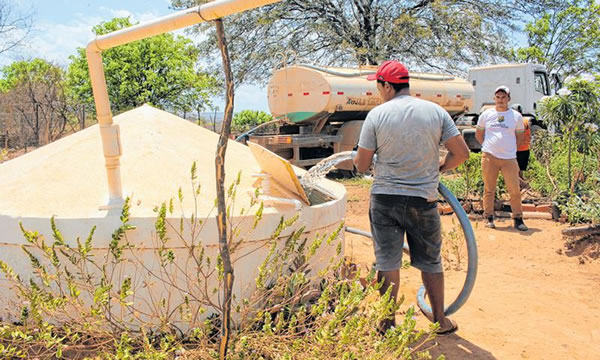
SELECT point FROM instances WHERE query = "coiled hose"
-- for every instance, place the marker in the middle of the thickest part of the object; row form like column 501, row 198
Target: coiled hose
column 462, row 297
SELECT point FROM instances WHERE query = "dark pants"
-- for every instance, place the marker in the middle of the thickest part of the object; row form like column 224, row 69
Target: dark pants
column 523, row 159
column 393, row 215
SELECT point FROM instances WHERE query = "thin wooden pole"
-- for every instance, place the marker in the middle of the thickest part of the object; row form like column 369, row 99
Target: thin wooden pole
column 222, row 215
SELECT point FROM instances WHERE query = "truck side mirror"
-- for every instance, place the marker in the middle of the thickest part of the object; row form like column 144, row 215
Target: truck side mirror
column 557, row 81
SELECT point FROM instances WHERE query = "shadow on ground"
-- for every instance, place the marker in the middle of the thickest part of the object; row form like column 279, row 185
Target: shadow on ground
column 455, row 347
column 587, row 248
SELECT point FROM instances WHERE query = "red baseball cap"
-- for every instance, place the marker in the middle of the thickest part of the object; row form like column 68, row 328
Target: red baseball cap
column 391, row 71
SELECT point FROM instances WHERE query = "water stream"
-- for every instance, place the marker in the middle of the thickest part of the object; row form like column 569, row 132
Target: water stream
column 318, row 172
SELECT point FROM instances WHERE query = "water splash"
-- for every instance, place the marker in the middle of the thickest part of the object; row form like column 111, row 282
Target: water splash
column 317, row 172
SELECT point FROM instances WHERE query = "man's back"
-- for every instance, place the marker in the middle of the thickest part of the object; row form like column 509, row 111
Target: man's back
column 406, row 132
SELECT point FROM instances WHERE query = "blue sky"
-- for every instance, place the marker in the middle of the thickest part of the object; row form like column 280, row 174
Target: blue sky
column 63, row 25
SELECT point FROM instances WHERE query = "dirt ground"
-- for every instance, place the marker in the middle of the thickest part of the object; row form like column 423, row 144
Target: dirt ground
column 534, row 298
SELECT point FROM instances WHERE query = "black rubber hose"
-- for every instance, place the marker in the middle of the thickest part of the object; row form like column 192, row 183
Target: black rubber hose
column 462, row 297
column 247, row 133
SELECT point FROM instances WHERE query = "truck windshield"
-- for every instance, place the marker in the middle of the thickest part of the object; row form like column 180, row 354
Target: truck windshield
column 541, row 83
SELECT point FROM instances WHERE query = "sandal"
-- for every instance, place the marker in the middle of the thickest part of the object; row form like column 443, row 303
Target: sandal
column 452, row 330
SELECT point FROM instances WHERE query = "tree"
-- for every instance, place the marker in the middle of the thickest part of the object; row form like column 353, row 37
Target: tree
column 36, row 97
column 224, row 250
column 247, row 119
column 565, row 38
column 14, row 27
column 160, row 70
column 575, row 110
column 425, row 34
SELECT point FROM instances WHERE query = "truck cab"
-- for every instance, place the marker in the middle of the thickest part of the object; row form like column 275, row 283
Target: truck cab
column 528, row 83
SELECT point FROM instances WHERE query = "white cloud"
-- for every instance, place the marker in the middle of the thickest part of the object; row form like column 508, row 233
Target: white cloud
column 56, row 42
column 120, row 13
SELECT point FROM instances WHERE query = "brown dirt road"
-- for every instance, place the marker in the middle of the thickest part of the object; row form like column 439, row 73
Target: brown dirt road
column 533, row 298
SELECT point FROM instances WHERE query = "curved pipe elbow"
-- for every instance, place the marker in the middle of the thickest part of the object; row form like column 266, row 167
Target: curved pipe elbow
column 92, row 46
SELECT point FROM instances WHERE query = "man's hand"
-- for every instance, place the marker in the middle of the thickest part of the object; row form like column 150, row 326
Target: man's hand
column 479, row 135
column 458, row 153
column 363, row 159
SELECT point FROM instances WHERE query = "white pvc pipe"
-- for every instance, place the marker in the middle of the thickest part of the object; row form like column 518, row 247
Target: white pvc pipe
column 109, row 132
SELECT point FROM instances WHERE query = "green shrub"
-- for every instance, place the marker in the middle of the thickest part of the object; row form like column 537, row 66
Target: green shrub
column 455, row 183
column 548, row 171
column 470, row 170
column 582, row 209
column 574, row 111
column 247, row 119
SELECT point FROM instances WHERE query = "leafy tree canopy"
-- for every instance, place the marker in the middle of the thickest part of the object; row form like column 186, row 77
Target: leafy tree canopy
column 565, row 38
column 33, row 71
column 424, row 34
column 36, row 90
column 160, row 70
column 247, row 119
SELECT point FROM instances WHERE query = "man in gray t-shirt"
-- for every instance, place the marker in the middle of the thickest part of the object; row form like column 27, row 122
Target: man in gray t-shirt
column 405, row 133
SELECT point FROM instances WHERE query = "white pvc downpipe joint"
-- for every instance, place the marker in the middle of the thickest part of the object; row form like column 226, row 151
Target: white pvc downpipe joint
column 109, row 132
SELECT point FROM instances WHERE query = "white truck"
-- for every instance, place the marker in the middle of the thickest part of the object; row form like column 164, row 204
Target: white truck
column 323, row 109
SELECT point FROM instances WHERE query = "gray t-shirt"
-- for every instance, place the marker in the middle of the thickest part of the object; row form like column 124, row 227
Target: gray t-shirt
column 405, row 133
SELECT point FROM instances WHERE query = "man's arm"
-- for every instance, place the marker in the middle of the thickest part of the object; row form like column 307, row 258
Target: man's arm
column 520, row 138
column 479, row 134
column 480, row 129
column 458, row 153
column 520, row 130
column 363, row 159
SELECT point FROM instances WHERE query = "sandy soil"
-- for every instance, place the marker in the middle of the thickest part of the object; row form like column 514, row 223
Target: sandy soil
column 534, row 298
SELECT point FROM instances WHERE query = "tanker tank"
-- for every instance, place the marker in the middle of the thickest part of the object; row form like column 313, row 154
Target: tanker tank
column 304, row 94
column 66, row 180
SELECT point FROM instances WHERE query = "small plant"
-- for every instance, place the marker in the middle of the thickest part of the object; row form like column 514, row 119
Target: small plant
column 453, row 248
column 471, row 172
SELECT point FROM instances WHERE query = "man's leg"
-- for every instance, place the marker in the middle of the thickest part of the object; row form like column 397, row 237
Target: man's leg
column 489, row 170
column 424, row 236
column 388, row 240
column 434, row 284
column 510, row 170
column 390, row 278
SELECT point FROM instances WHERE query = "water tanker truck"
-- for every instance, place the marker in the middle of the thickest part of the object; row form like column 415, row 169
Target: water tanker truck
column 322, row 109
